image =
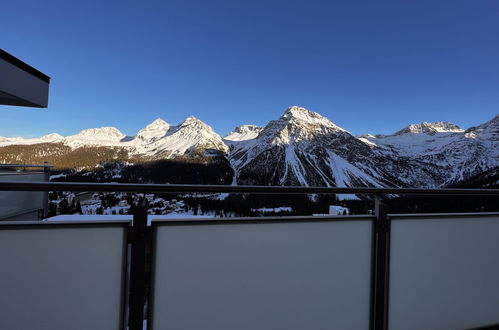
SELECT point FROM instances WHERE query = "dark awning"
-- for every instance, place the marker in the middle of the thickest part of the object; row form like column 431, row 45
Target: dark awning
column 21, row 84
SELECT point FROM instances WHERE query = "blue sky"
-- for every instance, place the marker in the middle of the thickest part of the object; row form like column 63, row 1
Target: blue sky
column 369, row 66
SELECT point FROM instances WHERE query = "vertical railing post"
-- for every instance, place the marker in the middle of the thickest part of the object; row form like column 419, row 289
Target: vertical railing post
column 137, row 291
column 380, row 267
column 46, row 171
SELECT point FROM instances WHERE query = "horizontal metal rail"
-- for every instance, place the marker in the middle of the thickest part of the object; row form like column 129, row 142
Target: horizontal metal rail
column 25, row 165
column 156, row 220
column 17, row 173
column 189, row 188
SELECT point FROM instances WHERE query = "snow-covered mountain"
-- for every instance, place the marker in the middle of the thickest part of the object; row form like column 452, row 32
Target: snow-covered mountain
column 243, row 133
column 430, row 128
column 191, row 136
column 157, row 140
column 154, row 131
column 49, row 138
column 304, row 148
column 103, row 136
column 444, row 151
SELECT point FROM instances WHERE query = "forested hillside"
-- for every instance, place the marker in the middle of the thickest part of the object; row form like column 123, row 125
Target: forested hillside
column 62, row 156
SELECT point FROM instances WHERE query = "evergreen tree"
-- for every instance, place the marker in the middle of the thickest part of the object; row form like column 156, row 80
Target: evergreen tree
column 52, row 209
column 64, row 207
column 78, row 208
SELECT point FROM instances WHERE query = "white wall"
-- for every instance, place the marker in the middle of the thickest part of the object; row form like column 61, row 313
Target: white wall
column 61, row 277
column 272, row 276
column 444, row 272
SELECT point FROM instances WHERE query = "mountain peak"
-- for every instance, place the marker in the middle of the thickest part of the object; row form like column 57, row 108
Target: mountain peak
column 154, row 131
column 190, row 136
column 52, row 137
column 296, row 124
column 300, row 113
column 303, row 116
column 294, row 109
column 243, row 133
column 191, row 119
column 158, row 122
column 247, row 128
column 430, row 128
column 101, row 133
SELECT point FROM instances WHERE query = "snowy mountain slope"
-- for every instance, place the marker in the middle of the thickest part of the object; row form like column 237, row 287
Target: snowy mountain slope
column 190, row 136
column 415, row 139
column 431, row 128
column 154, row 131
column 103, row 136
column 243, row 133
column 305, row 148
column 442, row 150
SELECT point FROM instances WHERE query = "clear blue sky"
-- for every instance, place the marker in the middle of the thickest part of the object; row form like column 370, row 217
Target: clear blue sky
column 369, row 66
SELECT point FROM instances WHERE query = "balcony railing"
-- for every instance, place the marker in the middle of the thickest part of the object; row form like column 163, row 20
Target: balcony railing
column 396, row 271
column 23, row 205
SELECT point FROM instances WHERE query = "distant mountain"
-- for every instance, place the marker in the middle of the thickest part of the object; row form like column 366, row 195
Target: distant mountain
column 445, row 152
column 305, row 148
column 242, row 133
column 103, row 136
column 430, row 128
column 49, row 138
column 154, row 131
column 191, row 137
column 158, row 140
column 299, row 148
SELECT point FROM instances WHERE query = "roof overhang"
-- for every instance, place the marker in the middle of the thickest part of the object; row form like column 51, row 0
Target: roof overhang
column 21, row 84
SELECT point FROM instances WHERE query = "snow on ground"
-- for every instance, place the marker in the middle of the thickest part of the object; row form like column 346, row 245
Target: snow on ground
column 217, row 196
column 336, row 210
column 274, row 209
column 57, row 176
column 88, row 217
column 343, row 197
column 107, row 218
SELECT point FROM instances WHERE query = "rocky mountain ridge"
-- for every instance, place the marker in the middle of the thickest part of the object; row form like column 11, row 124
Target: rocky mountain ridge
column 304, row 148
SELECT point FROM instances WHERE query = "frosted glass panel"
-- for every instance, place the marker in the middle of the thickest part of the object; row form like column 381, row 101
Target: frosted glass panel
column 61, row 278
column 444, row 272
column 16, row 202
column 263, row 276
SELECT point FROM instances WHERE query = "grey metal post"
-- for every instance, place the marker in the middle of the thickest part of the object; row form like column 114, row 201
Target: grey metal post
column 380, row 267
column 46, row 171
column 138, row 239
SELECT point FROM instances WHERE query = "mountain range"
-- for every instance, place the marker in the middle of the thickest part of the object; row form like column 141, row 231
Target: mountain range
column 304, row 148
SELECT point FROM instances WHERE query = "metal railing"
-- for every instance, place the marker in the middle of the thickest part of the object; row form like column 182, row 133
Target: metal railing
column 140, row 238
column 190, row 188
column 44, row 166
column 26, row 171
